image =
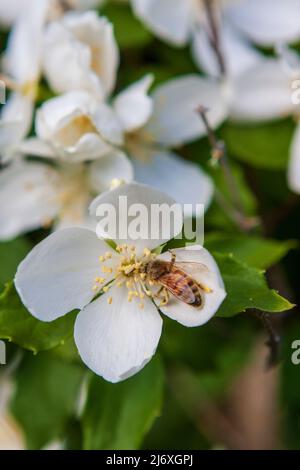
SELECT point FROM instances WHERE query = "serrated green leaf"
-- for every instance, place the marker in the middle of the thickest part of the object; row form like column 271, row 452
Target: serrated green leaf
column 46, row 394
column 246, row 288
column 11, row 254
column 18, row 326
column 117, row 416
column 254, row 250
column 129, row 31
column 260, row 145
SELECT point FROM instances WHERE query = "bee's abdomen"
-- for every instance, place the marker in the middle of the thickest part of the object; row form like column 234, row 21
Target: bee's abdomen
column 183, row 287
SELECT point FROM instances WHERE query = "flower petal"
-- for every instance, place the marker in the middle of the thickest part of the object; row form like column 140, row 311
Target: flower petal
column 86, row 43
column 175, row 120
column 15, row 123
column 136, row 201
column 266, row 21
column 58, row 274
column 170, row 19
column 209, row 275
column 23, row 54
column 181, row 179
column 117, row 340
column 27, row 198
column 133, row 105
column 113, row 166
column 294, row 163
column 238, row 54
column 262, row 93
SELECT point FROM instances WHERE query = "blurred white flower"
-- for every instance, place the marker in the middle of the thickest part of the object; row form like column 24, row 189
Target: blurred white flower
column 74, row 127
column 35, row 194
column 266, row 92
column 22, row 67
column 240, row 21
column 117, row 333
column 85, row 42
column 165, row 119
column 12, row 9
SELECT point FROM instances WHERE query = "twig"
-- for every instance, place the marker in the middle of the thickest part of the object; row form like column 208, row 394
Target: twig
column 219, row 155
column 214, row 34
column 274, row 339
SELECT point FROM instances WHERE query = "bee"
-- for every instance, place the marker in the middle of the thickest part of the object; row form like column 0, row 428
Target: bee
column 173, row 278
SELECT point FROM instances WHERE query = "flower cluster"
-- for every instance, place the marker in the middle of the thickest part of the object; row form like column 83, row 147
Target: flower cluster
column 73, row 136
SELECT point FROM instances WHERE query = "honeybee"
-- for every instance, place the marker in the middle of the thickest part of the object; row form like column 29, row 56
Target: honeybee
column 172, row 277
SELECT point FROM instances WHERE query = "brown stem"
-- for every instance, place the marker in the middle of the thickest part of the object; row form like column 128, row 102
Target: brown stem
column 219, row 155
column 214, row 34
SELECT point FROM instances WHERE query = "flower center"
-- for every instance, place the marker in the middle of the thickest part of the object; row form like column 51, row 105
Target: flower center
column 131, row 272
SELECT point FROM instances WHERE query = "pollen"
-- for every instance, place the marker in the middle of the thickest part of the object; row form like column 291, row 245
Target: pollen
column 106, row 269
column 105, row 289
column 109, row 300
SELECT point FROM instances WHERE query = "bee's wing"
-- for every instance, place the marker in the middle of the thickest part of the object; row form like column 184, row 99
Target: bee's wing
column 191, row 267
column 178, row 286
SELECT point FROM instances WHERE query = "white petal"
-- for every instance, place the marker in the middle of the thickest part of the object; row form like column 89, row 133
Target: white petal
column 108, row 124
column 86, row 43
column 182, row 180
column 23, row 55
column 170, row 19
column 142, row 198
column 294, row 163
column 210, row 277
column 113, row 166
column 10, row 11
column 78, row 127
column 262, row 93
column 117, row 340
column 15, row 123
column 267, row 21
column 175, row 120
column 36, row 147
column 237, row 52
column 133, row 106
column 58, row 274
column 97, row 33
column 27, row 198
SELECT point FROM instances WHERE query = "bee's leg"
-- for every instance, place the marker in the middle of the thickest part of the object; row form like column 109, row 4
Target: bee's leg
column 166, row 298
column 205, row 288
column 173, row 260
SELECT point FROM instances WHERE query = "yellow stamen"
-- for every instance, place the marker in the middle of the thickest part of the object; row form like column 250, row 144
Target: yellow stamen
column 109, row 300
column 105, row 288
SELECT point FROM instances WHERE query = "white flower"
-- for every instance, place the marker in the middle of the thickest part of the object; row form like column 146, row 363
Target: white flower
column 165, row 119
column 266, row 92
column 22, row 63
column 117, row 333
column 35, row 194
column 74, row 127
column 263, row 21
column 12, row 9
column 82, row 54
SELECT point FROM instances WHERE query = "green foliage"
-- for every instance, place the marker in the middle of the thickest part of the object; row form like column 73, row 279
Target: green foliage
column 17, row 325
column 117, row 416
column 128, row 30
column 11, row 254
column 46, row 397
column 260, row 145
column 254, row 250
column 246, row 287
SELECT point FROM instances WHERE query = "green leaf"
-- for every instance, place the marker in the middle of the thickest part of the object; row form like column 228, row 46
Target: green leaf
column 46, row 394
column 246, row 287
column 117, row 416
column 11, row 254
column 129, row 31
column 253, row 250
column 18, row 326
column 260, row 145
